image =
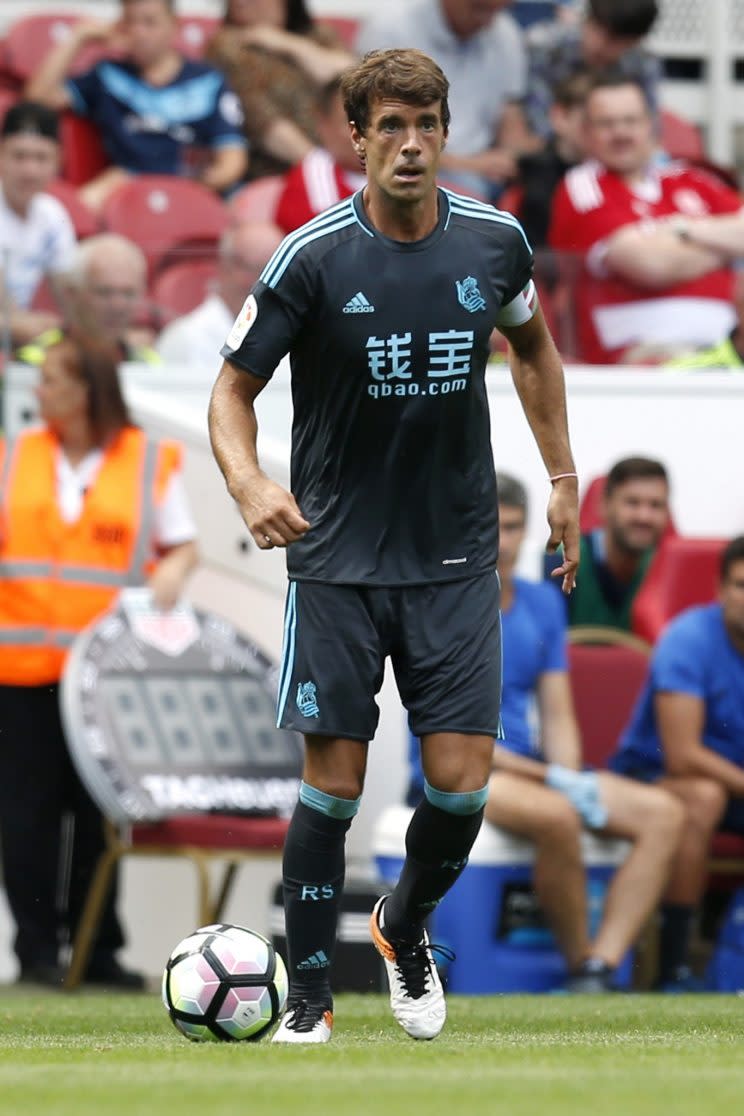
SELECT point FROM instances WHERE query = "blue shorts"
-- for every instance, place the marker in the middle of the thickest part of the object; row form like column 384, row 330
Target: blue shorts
column 443, row 639
column 733, row 818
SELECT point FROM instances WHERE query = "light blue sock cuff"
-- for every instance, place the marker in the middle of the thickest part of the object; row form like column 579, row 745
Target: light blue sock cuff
column 469, row 802
column 328, row 803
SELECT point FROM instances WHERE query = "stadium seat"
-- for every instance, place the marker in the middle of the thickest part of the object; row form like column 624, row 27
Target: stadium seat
column 257, row 201
column 83, row 156
column 170, row 218
column 680, row 138
column 200, row 838
column 180, row 288
column 683, row 573
column 607, row 669
column 84, row 221
column 30, row 38
column 194, row 32
column 590, row 512
column 345, row 28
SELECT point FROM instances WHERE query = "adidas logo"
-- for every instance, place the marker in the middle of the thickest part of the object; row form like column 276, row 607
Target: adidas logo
column 315, row 961
column 359, row 304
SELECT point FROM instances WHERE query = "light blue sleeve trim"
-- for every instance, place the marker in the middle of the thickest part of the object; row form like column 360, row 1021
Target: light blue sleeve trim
column 467, row 802
column 229, row 139
column 328, row 804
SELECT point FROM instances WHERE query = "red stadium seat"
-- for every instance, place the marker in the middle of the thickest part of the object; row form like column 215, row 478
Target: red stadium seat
column 590, row 512
column 607, row 670
column 170, row 218
column 257, row 201
column 83, row 219
column 683, row 573
column 30, row 38
column 83, row 156
column 680, row 138
column 194, row 32
column 181, row 287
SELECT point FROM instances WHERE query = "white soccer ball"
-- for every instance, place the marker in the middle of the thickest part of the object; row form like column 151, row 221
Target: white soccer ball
column 224, row 984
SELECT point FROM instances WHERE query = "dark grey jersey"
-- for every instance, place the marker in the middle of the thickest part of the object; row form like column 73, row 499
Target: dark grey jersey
column 388, row 342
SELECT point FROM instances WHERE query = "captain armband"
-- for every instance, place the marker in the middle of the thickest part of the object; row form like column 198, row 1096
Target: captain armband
column 521, row 309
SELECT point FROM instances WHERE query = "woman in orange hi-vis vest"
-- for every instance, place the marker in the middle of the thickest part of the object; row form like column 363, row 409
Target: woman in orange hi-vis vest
column 88, row 505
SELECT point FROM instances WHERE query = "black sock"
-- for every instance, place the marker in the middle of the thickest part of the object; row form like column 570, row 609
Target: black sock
column 437, row 848
column 674, row 940
column 313, row 879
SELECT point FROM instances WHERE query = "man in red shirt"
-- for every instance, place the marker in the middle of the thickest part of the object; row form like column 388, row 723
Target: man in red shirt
column 327, row 174
column 658, row 240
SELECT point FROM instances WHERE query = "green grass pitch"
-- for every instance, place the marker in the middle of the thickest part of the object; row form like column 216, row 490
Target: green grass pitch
column 99, row 1055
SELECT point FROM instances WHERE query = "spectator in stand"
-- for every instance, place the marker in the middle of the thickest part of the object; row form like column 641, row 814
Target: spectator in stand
column 538, row 790
column 196, row 338
column 687, row 733
column 615, row 558
column 729, row 352
column 37, row 238
column 151, row 105
column 328, row 173
column 607, row 37
column 658, row 240
column 480, row 48
column 277, row 58
column 541, row 171
column 107, row 284
column 80, row 492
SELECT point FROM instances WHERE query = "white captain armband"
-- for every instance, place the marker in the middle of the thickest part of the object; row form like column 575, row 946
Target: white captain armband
column 243, row 323
column 521, row 309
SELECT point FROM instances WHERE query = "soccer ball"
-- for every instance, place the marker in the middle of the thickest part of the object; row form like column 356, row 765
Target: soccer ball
column 224, row 984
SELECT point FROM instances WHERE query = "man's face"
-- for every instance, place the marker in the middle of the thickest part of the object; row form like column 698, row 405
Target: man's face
column 149, row 29
column 636, row 513
column 333, row 133
column 468, row 17
column 731, row 596
column 28, row 164
column 110, row 294
column 568, row 126
column 402, row 148
column 619, row 129
column 602, row 49
column 512, row 527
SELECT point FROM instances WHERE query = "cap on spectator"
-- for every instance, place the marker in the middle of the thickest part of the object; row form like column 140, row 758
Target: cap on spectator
column 31, row 119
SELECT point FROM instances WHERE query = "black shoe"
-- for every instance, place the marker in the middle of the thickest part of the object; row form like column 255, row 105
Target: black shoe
column 593, row 978
column 106, row 972
column 44, row 973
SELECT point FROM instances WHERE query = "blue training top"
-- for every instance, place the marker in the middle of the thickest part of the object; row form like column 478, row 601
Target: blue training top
column 694, row 656
column 146, row 128
column 533, row 643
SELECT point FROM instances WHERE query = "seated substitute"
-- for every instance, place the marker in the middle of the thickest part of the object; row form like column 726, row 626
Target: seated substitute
column 150, row 104
column 538, row 790
column 105, row 287
column 658, row 239
column 687, row 734
column 37, row 238
column 615, row 557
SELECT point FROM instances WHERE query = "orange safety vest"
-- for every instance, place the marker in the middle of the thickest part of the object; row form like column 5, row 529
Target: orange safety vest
column 56, row 577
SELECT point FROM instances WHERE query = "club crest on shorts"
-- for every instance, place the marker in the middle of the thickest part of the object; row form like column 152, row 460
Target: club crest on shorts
column 468, row 294
column 306, row 700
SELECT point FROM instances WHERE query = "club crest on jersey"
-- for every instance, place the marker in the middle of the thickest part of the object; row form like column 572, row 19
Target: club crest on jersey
column 306, row 700
column 469, row 296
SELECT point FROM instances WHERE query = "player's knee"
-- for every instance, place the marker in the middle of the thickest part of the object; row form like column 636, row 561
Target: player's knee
column 705, row 802
column 558, row 823
column 662, row 820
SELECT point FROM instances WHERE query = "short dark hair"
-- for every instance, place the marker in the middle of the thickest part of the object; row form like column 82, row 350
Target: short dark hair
column 615, row 78
column 572, row 90
column 298, row 18
column 408, row 75
column 732, row 553
column 96, row 364
column 634, row 468
column 627, row 19
column 31, row 118
column 511, row 492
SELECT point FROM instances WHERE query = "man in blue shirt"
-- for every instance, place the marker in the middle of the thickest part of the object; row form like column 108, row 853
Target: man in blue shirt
column 537, row 789
column 149, row 103
column 687, row 732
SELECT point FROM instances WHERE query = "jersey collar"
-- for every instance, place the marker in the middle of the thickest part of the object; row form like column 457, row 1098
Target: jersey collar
column 406, row 245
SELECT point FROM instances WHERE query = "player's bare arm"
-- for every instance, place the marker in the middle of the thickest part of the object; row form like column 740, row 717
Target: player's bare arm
column 269, row 511
column 537, row 373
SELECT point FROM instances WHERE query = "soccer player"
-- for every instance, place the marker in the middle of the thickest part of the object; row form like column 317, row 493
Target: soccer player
column 385, row 304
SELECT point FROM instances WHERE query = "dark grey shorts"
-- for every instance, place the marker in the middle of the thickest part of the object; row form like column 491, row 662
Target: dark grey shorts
column 444, row 641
